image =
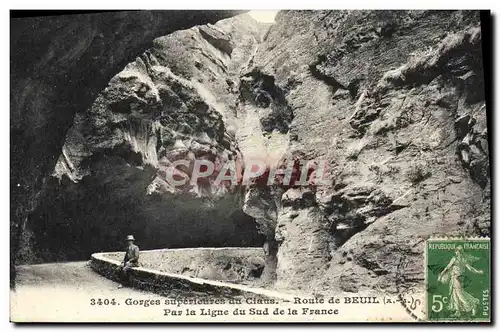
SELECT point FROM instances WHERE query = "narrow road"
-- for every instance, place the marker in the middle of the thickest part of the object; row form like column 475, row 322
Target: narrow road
column 64, row 291
column 75, row 275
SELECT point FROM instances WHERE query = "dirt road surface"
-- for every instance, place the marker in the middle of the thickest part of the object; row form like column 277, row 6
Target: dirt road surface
column 64, row 291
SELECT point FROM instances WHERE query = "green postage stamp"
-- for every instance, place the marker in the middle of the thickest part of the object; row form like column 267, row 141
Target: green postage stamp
column 458, row 279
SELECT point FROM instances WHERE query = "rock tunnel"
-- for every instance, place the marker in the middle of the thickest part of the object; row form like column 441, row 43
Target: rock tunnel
column 392, row 101
column 59, row 66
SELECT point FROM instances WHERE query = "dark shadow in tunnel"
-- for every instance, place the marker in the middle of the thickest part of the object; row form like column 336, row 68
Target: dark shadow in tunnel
column 74, row 220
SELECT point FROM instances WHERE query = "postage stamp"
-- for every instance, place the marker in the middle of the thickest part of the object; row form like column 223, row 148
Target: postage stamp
column 458, row 279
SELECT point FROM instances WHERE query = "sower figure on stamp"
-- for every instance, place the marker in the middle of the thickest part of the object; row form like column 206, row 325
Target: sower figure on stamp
column 130, row 260
column 460, row 301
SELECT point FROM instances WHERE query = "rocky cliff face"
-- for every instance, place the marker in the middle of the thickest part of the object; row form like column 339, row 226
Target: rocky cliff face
column 174, row 102
column 392, row 101
column 58, row 65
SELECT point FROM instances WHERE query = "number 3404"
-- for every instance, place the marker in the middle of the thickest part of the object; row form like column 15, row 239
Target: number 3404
column 102, row 301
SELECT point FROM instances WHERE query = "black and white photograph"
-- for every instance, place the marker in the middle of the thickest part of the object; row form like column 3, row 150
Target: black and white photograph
column 231, row 166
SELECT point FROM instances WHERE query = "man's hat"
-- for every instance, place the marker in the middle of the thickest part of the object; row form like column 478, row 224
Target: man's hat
column 130, row 238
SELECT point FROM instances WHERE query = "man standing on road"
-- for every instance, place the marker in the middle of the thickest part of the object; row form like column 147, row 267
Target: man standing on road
column 130, row 260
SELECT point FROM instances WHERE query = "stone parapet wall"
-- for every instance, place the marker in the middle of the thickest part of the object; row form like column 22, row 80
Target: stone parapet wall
column 166, row 282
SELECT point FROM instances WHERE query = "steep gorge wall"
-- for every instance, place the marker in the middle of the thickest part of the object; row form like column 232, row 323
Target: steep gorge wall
column 58, row 65
column 111, row 177
column 394, row 102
